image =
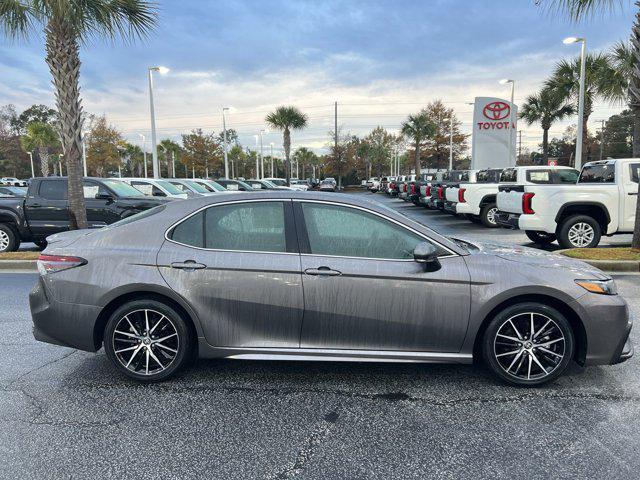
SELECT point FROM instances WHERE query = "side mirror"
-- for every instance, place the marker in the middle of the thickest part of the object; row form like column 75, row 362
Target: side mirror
column 427, row 254
column 104, row 196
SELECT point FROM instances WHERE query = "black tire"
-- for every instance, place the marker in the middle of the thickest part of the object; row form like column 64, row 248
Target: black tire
column 9, row 238
column 41, row 244
column 174, row 325
column 487, row 215
column 517, row 373
column 569, row 235
column 541, row 238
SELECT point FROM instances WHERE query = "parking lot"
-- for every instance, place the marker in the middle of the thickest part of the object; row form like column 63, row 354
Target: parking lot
column 68, row 414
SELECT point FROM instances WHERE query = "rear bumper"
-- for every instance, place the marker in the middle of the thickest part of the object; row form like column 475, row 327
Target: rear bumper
column 450, row 207
column 467, row 208
column 66, row 324
column 508, row 220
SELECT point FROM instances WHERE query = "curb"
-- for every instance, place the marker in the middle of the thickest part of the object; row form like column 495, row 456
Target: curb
column 29, row 265
column 609, row 265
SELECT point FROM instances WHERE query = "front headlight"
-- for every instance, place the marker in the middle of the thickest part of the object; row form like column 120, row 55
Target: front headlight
column 603, row 287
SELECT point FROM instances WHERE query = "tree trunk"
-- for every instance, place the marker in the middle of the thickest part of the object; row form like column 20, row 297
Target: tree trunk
column 287, row 150
column 63, row 60
column 417, row 159
column 44, row 161
column 545, row 145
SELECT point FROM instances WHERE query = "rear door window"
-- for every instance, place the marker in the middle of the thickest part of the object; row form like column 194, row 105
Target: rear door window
column 635, row 171
column 509, row 175
column 566, row 176
column 539, row 176
column 53, row 189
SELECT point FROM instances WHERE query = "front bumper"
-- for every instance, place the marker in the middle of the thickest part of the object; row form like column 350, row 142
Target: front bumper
column 66, row 324
column 508, row 220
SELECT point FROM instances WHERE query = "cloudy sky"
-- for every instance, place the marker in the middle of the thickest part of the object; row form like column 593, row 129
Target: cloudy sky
column 380, row 60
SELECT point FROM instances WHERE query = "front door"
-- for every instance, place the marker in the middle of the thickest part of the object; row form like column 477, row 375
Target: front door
column 237, row 265
column 363, row 290
column 100, row 211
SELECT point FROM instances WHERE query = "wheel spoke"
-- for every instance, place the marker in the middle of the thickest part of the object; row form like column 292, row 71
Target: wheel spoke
column 515, row 329
column 529, row 369
column 532, row 329
column 146, row 322
column 513, row 339
column 551, row 352
column 158, row 323
column 146, row 368
column 166, row 348
column 535, row 359
column 508, row 353
column 551, row 342
column 126, row 349
column 514, row 361
column 159, row 340
column 127, row 334
column 133, row 355
column 542, row 329
column 153, row 355
column 126, row 317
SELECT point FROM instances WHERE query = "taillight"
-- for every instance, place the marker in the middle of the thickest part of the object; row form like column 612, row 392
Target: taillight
column 57, row 263
column 461, row 195
column 526, row 203
column 413, row 189
column 427, row 191
column 440, row 193
column 404, row 188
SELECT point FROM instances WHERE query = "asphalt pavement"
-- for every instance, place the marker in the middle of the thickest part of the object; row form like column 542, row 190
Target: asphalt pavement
column 68, row 414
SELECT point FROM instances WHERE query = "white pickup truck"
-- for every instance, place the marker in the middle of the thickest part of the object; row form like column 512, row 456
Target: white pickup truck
column 476, row 198
column 602, row 202
column 452, row 193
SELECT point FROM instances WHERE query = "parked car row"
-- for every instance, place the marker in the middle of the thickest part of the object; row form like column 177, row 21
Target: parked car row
column 12, row 182
column 547, row 202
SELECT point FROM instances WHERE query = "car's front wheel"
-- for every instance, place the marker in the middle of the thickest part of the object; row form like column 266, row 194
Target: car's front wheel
column 528, row 344
column 147, row 340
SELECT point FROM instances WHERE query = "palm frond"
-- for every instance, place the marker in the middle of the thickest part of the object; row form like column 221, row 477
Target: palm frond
column 16, row 18
column 578, row 10
column 287, row 117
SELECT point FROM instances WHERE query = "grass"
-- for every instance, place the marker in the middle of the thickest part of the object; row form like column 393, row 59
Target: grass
column 19, row 255
column 603, row 254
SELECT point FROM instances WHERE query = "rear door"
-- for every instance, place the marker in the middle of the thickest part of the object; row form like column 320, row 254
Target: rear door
column 238, row 266
column 629, row 196
column 47, row 210
column 364, row 291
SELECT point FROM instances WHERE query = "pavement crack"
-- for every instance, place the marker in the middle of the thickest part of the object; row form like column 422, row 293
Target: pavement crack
column 310, row 446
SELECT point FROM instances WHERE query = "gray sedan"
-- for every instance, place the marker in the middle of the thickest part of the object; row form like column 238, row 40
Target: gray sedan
column 312, row 276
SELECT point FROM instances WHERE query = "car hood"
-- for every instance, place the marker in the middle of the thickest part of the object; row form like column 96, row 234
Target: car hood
column 537, row 258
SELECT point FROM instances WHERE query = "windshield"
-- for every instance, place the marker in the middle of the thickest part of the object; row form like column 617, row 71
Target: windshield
column 210, row 185
column 196, row 186
column 269, row 184
column 169, row 187
column 17, row 191
column 122, row 189
column 278, row 182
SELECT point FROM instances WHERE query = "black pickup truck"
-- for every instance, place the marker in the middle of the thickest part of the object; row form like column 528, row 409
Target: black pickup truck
column 45, row 209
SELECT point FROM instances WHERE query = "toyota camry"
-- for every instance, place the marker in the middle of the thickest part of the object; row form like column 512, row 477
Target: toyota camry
column 314, row 276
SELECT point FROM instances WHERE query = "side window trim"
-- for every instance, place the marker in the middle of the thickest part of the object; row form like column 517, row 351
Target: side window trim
column 289, row 226
column 303, row 236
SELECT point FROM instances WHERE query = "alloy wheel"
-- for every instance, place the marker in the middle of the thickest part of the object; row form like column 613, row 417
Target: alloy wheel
column 4, row 241
column 581, row 234
column 146, row 342
column 491, row 215
column 529, row 346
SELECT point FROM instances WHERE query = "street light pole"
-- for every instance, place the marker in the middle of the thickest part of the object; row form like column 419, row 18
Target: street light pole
column 33, row 172
column 84, row 153
column 451, row 142
column 261, row 154
column 154, row 146
column 144, row 154
column 511, row 129
column 580, row 129
column 224, row 135
column 271, row 159
column 257, row 159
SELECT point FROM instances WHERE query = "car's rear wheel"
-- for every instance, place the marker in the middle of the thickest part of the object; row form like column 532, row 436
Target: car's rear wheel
column 9, row 239
column 541, row 238
column 528, row 344
column 488, row 215
column 579, row 231
column 147, row 340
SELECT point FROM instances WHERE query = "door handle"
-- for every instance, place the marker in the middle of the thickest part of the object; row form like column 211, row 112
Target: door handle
column 322, row 271
column 35, row 205
column 632, row 193
column 188, row 265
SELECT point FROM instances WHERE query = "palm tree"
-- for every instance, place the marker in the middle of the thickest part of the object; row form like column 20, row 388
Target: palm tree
column 545, row 107
column 40, row 138
column 304, row 156
column 287, row 118
column 418, row 128
column 67, row 24
column 601, row 81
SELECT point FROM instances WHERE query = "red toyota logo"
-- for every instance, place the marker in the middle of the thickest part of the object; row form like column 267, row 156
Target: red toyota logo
column 496, row 110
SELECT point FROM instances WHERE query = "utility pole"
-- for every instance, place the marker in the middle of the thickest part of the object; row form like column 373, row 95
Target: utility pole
column 173, row 163
column 602, row 140
column 519, row 145
column 335, row 126
column 451, row 142
column 272, row 160
column 224, row 130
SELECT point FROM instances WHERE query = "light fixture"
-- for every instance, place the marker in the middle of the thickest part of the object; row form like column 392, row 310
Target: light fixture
column 570, row 40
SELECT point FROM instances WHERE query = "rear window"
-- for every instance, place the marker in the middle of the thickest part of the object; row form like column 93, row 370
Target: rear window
column 139, row 216
column 509, row 175
column 488, row 176
column 464, row 176
column 566, row 176
column 539, row 176
column 598, row 173
column 53, row 189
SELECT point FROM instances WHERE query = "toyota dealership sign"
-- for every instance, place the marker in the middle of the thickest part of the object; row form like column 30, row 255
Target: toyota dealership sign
column 494, row 126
